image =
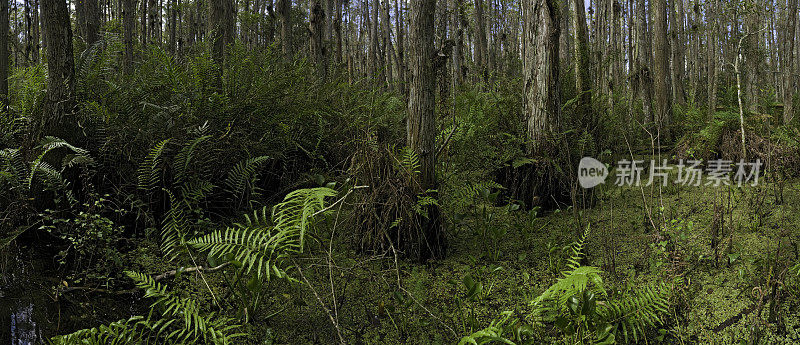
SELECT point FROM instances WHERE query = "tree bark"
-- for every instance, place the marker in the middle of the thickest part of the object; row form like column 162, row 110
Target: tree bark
column 284, row 16
column 60, row 66
column 678, row 52
column 581, row 63
column 421, row 124
column 480, row 39
column 317, row 30
column 223, row 25
column 88, row 13
column 541, row 102
column 641, row 69
column 789, row 61
column 129, row 27
column 712, row 56
column 661, row 84
column 4, row 52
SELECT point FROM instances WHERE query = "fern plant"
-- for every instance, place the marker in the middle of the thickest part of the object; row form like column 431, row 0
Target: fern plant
column 172, row 320
column 260, row 244
column 579, row 307
column 21, row 175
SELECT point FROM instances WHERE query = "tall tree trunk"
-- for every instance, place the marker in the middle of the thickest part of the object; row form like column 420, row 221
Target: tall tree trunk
column 388, row 47
column 421, row 123
column 541, row 102
column 661, row 85
column 317, row 30
column 678, row 52
column 753, row 59
column 789, row 61
column 36, row 36
column 401, row 47
column 581, row 65
column 129, row 28
column 458, row 41
column 712, row 55
column 284, row 15
column 480, row 39
column 4, row 53
column 223, row 25
column 88, row 13
column 643, row 78
column 153, row 21
column 337, row 32
column 143, row 11
column 60, row 66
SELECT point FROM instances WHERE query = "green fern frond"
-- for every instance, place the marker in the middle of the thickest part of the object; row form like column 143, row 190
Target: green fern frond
column 643, row 308
column 491, row 334
column 184, row 158
column 292, row 215
column 577, row 254
column 174, row 227
column 14, row 166
column 181, row 320
column 554, row 299
column 409, row 161
column 258, row 249
column 265, row 238
column 242, row 177
column 123, row 332
column 148, row 171
column 47, row 145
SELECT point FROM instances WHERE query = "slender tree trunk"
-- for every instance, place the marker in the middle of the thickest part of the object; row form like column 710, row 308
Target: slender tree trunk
column 401, row 47
column 458, row 41
column 223, row 22
column 60, row 66
column 4, row 52
column 337, row 31
column 284, row 15
column 152, row 20
column 712, row 55
column 316, row 28
column 643, row 78
column 421, row 123
column 480, row 39
column 88, row 13
column 541, row 102
column 678, row 52
column 129, row 27
column 388, row 47
column 581, row 65
column 789, row 61
column 143, row 11
column 661, row 85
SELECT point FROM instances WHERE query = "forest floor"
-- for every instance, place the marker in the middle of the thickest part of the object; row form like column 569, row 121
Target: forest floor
column 713, row 304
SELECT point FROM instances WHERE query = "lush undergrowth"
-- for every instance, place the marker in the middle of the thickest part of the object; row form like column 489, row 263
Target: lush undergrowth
column 250, row 203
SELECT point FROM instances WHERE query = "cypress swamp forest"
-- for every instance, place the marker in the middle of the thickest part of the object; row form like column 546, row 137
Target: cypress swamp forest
column 399, row 172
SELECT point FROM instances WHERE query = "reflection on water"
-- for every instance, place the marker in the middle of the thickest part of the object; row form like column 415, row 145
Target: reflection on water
column 23, row 326
column 19, row 308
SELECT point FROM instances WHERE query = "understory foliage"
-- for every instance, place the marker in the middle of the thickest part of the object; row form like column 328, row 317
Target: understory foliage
column 260, row 248
column 580, row 308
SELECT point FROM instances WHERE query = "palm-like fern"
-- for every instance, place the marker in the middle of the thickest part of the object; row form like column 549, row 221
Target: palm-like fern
column 148, row 173
column 172, row 320
column 21, row 175
column 609, row 320
column 264, row 239
column 241, row 178
column 633, row 313
column 184, row 158
column 181, row 319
